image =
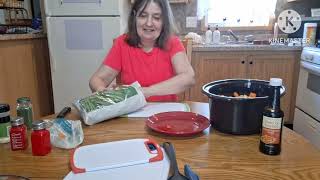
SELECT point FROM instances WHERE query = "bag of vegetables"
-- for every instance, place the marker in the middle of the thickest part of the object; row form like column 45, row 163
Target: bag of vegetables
column 108, row 104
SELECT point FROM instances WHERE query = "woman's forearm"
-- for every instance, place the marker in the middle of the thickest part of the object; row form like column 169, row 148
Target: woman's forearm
column 97, row 84
column 101, row 79
column 175, row 85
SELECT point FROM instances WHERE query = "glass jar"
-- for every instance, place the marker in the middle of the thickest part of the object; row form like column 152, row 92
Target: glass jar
column 18, row 134
column 24, row 109
column 40, row 139
column 4, row 123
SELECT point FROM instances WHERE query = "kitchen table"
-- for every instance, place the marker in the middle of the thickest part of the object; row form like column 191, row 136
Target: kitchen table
column 213, row 155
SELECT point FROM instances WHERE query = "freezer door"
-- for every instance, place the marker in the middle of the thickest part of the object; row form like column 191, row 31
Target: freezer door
column 77, row 48
column 85, row 7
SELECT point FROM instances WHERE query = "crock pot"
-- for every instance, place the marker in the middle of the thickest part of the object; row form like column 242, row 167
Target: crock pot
column 237, row 115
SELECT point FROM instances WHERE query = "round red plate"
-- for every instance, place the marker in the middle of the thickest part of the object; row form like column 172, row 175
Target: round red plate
column 178, row 123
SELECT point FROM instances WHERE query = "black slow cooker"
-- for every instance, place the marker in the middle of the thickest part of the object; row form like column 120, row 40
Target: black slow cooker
column 237, row 115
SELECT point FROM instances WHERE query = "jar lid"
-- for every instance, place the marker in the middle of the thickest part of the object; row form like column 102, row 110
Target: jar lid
column 17, row 121
column 23, row 100
column 38, row 125
column 4, row 108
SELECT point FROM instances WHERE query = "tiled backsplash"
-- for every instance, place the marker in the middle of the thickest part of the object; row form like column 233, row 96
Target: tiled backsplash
column 181, row 11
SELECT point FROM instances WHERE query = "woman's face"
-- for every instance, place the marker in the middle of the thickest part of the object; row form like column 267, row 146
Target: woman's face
column 149, row 23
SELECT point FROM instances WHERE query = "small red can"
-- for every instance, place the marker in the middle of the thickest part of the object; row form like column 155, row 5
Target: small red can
column 18, row 134
column 40, row 139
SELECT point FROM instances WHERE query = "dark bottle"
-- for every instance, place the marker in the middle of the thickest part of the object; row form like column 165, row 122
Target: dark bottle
column 272, row 122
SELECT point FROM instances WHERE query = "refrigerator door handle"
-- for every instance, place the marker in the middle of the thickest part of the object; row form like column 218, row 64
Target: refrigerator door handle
column 61, row 2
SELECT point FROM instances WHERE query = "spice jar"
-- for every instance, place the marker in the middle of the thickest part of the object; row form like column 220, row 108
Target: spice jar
column 4, row 123
column 24, row 109
column 40, row 139
column 18, row 134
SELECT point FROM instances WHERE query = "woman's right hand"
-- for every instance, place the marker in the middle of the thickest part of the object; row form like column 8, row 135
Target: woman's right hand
column 99, row 89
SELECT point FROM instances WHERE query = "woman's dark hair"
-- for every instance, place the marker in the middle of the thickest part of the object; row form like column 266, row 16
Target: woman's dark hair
column 168, row 27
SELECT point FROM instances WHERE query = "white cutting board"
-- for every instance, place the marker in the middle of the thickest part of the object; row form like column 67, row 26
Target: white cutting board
column 151, row 171
column 155, row 108
column 114, row 155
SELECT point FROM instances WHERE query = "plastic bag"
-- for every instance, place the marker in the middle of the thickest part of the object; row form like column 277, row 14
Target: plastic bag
column 108, row 104
column 65, row 134
column 196, row 38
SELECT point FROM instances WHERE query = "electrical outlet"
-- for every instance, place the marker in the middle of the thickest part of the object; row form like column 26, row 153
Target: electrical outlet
column 191, row 22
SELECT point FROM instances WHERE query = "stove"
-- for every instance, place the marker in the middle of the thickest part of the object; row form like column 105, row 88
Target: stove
column 307, row 112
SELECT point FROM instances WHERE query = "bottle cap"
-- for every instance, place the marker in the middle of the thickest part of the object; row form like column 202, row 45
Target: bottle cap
column 4, row 108
column 23, row 100
column 38, row 125
column 275, row 82
column 17, row 121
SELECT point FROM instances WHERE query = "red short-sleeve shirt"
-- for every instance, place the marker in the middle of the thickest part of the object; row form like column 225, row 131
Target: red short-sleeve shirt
column 147, row 68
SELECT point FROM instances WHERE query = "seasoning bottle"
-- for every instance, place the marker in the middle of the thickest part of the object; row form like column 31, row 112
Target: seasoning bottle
column 4, row 123
column 18, row 134
column 272, row 122
column 40, row 139
column 24, row 109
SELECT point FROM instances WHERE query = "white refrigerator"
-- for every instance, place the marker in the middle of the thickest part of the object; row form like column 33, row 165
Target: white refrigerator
column 80, row 33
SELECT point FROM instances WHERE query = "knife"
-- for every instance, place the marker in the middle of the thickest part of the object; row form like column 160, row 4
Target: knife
column 64, row 112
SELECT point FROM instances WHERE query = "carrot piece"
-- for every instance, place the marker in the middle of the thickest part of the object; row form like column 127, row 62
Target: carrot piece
column 252, row 94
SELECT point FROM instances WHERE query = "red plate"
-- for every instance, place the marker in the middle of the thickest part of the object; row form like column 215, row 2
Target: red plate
column 178, row 123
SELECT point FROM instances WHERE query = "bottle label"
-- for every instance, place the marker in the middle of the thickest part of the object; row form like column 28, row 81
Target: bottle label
column 26, row 113
column 4, row 129
column 271, row 130
column 17, row 140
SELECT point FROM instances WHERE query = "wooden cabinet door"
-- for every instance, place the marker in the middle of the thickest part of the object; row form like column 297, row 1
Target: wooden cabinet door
column 25, row 71
column 280, row 65
column 212, row 66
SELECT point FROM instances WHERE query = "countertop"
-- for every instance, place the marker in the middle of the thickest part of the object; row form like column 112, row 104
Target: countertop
column 211, row 154
column 5, row 37
column 244, row 47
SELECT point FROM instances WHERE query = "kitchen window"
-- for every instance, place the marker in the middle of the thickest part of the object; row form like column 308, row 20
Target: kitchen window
column 233, row 13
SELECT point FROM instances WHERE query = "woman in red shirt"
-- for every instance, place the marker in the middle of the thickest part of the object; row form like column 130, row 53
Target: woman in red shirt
column 149, row 53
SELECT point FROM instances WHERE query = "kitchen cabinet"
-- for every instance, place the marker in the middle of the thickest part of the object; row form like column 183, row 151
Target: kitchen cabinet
column 217, row 65
column 25, row 71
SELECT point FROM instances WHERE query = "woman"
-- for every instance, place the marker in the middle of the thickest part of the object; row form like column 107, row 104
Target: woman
column 149, row 53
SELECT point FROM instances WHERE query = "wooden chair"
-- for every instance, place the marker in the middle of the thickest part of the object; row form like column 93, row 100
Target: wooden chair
column 187, row 43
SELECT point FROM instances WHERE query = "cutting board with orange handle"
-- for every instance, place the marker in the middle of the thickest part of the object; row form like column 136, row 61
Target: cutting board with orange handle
column 156, row 170
column 115, row 154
